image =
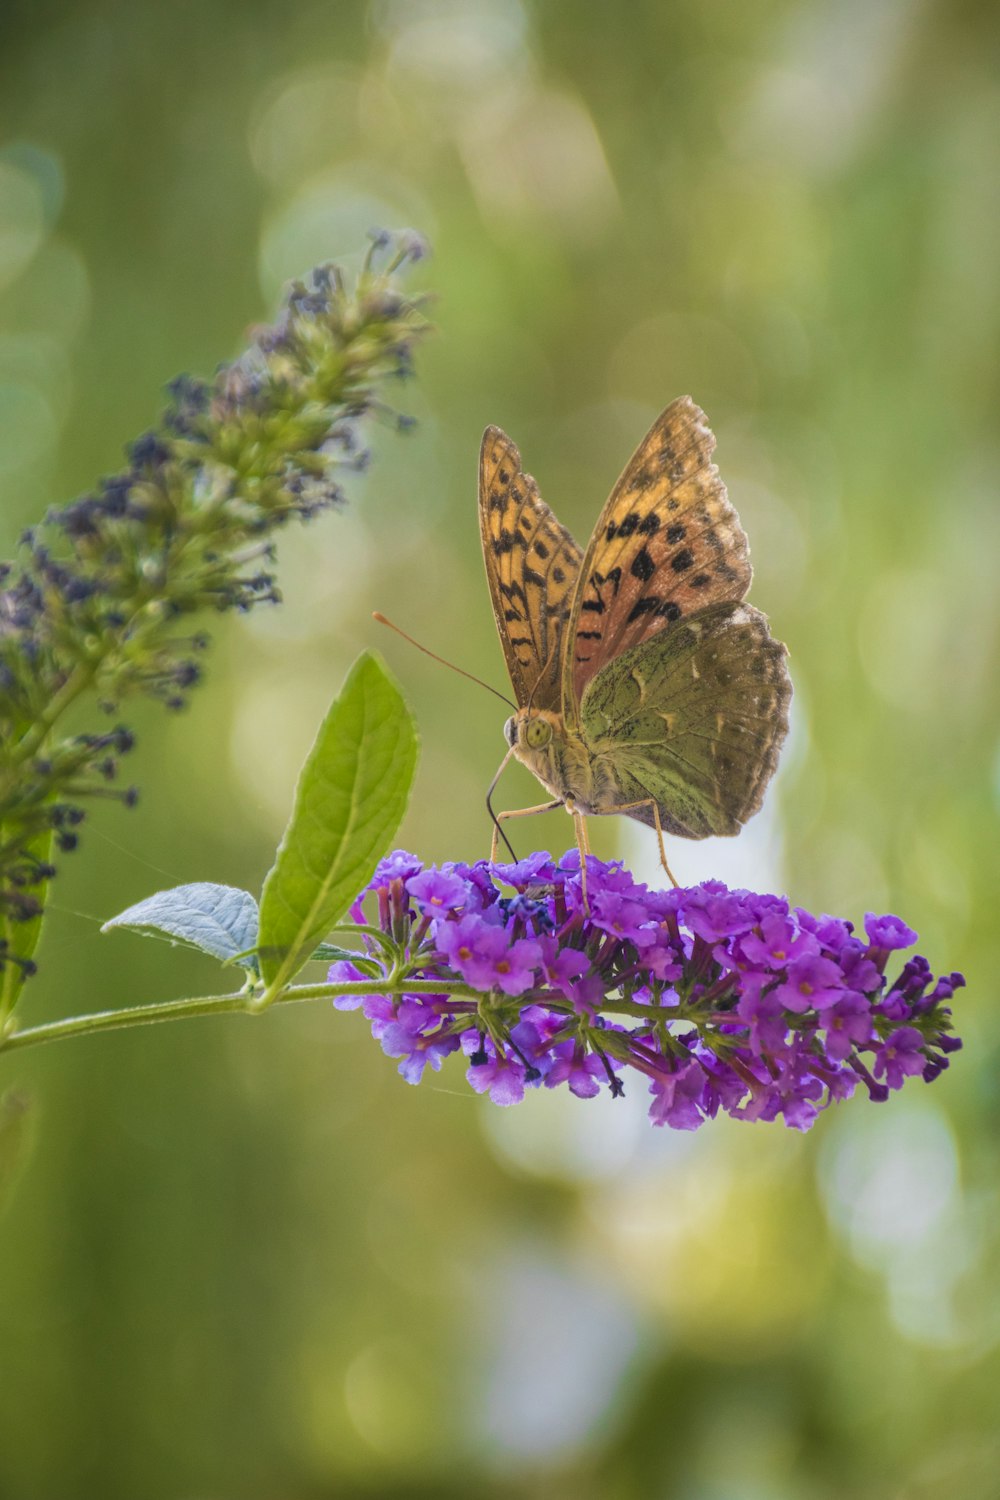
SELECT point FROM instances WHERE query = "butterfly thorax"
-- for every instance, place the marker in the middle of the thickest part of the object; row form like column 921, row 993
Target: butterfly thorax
column 557, row 756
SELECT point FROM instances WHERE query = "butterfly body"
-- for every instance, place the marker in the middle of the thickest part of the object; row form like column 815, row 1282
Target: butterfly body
column 645, row 684
column 562, row 760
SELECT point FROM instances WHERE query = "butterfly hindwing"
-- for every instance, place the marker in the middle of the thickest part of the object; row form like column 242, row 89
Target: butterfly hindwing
column 532, row 564
column 694, row 718
column 668, row 543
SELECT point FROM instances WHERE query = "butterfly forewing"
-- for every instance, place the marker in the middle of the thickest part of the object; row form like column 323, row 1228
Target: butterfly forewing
column 668, row 543
column 532, row 564
column 694, row 718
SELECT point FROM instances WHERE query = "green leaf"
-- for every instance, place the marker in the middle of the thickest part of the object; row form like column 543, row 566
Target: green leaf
column 349, row 801
column 220, row 920
column 22, row 937
column 15, row 1128
column 329, row 953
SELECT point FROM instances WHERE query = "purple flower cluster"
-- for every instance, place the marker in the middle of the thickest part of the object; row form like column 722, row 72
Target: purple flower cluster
column 720, row 999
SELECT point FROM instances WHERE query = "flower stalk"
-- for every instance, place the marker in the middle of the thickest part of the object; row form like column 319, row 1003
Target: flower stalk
column 99, row 598
column 238, row 1002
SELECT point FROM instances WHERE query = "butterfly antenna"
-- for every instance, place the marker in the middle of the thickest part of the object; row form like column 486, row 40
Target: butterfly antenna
column 489, row 803
column 434, row 657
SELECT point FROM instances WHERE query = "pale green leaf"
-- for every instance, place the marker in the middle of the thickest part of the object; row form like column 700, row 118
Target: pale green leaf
column 220, row 920
column 329, row 953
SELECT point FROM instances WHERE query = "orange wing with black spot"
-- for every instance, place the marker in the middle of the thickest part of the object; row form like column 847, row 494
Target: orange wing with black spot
column 532, row 564
column 668, row 543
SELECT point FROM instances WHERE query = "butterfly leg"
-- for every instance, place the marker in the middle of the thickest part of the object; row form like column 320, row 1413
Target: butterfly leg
column 583, row 845
column 649, row 802
column 518, row 812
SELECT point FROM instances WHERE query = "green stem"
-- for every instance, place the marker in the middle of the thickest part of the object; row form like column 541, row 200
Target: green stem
column 646, row 1012
column 76, row 683
column 241, row 1003
column 84, row 673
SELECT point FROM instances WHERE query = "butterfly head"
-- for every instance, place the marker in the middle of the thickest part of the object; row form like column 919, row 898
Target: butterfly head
column 529, row 729
column 539, row 740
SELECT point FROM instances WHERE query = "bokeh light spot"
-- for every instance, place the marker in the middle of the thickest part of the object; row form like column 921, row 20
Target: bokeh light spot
column 555, row 1359
column 331, row 211
column 386, row 1394
column 52, row 297
column 304, row 121
column 557, row 1137
column 22, row 220
column 534, row 157
column 457, row 43
column 888, row 1177
column 677, row 353
column 669, row 1232
column 28, row 426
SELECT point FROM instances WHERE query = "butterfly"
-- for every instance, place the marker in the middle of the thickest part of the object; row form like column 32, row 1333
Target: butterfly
column 644, row 684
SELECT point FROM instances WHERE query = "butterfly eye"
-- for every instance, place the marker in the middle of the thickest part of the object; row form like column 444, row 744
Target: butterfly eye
column 538, row 733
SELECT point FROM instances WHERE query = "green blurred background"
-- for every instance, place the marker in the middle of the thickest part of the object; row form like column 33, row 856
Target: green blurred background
column 244, row 1261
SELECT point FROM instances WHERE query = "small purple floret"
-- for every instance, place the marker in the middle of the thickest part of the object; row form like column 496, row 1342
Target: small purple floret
column 677, row 1097
column 901, row 1056
column 848, row 1025
column 437, row 891
column 888, row 932
column 811, row 983
column 723, row 1000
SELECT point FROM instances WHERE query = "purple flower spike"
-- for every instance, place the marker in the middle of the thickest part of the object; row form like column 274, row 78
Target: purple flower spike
column 716, row 1000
